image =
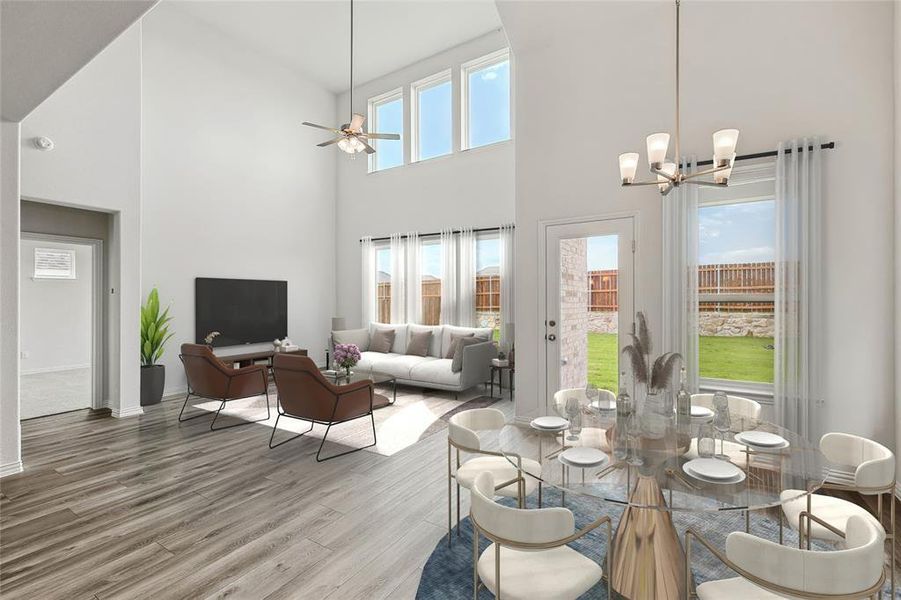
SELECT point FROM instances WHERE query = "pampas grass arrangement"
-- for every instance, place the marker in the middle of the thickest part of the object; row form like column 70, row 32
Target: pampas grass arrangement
column 657, row 375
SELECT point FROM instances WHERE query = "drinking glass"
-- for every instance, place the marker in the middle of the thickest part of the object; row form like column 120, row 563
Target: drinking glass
column 574, row 414
column 721, row 420
column 633, row 432
column 706, row 441
column 591, row 395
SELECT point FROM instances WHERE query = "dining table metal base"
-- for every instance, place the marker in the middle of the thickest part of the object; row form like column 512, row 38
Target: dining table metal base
column 648, row 561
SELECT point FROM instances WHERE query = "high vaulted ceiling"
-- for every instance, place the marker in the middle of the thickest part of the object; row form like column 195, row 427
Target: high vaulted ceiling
column 313, row 36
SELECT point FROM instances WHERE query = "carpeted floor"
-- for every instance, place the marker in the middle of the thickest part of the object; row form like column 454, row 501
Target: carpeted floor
column 447, row 574
column 416, row 414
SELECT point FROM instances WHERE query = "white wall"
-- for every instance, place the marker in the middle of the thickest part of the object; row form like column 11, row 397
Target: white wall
column 10, row 432
column 775, row 70
column 55, row 318
column 233, row 186
column 472, row 188
column 897, row 206
column 95, row 121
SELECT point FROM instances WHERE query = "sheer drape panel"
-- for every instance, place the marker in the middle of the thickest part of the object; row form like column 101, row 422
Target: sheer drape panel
column 398, row 279
column 507, row 284
column 798, row 303
column 680, row 275
column 467, row 278
column 413, row 279
column 448, row 277
column 369, row 299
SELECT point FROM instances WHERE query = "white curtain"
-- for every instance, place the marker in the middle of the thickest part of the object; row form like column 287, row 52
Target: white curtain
column 369, row 300
column 467, row 279
column 448, row 277
column 398, row 279
column 680, row 275
column 798, row 301
column 413, row 279
column 507, row 284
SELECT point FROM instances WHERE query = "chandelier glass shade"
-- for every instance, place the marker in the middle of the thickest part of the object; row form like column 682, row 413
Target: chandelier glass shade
column 669, row 173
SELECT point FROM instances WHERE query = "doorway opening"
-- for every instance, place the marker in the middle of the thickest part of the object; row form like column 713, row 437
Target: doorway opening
column 60, row 320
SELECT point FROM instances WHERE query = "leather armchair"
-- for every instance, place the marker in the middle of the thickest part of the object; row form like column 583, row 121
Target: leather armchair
column 208, row 377
column 305, row 394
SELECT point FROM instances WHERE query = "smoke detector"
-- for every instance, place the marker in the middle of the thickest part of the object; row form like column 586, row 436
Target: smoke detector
column 43, row 143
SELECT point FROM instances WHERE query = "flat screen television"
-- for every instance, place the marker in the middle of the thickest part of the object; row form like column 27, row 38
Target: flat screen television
column 243, row 311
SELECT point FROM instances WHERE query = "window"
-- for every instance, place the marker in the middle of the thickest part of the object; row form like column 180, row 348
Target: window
column 430, row 261
column 54, row 263
column 432, row 117
column 386, row 115
column 488, row 282
column 736, row 277
column 383, row 283
column 486, row 100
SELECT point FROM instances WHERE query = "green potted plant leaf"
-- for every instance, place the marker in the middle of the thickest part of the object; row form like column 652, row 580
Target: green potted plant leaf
column 154, row 335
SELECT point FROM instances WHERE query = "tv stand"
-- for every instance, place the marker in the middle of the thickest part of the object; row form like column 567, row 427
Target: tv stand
column 251, row 358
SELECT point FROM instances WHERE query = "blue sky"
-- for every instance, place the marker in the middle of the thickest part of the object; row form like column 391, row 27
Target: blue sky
column 737, row 233
column 489, row 105
column 435, row 121
column 389, row 118
column 602, row 253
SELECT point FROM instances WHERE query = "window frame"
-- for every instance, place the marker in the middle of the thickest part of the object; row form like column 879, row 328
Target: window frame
column 764, row 173
column 70, row 276
column 372, row 108
column 467, row 68
column 426, row 83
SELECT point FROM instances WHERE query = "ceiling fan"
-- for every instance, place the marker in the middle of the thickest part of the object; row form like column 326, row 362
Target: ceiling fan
column 350, row 137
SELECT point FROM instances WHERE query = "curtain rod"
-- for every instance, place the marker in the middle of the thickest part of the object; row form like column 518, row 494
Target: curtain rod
column 435, row 234
column 826, row 146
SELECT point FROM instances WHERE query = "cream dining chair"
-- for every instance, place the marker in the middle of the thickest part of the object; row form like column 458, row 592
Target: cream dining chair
column 739, row 406
column 463, row 437
column 528, row 558
column 768, row 571
column 858, row 465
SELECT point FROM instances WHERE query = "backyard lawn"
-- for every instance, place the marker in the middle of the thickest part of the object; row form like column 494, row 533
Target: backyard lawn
column 740, row 358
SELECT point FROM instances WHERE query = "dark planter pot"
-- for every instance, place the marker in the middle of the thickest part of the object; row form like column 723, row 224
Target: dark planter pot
column 153, row 378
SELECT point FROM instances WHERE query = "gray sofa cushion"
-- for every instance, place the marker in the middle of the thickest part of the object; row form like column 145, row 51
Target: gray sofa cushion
column 360, row 337
column 381, row 340
column 455, row 338
column 457, row 364
column 419, row 343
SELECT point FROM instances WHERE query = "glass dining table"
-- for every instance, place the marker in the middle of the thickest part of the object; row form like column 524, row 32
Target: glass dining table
column 648, row 478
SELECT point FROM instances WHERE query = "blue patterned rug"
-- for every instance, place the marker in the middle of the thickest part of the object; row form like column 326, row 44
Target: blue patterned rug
column 448, row 573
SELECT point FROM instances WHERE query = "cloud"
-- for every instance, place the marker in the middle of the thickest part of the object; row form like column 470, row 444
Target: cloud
column 743, row 255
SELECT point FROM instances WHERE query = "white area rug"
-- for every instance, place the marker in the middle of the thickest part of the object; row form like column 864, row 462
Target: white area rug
column 416, row 414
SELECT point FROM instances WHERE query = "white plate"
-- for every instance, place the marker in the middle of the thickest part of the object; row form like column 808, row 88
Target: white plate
column 549, row 422
column 713, row 468
column 762, row 438
column 741, row 439
column 738, row 478
column 583, row 457
column 604, row 405
column 700, row 412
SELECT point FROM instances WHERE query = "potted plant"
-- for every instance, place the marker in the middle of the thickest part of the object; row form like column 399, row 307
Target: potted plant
column 346, row 356
column 154, row 335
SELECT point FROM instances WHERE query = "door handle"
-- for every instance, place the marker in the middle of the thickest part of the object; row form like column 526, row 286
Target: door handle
column 551, row 337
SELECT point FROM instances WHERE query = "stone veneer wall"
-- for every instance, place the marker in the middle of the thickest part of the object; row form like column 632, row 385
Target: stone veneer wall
column 710, row 323
column 572, row 331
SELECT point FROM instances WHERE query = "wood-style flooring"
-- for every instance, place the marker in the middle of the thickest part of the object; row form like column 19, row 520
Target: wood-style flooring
column 147, row 507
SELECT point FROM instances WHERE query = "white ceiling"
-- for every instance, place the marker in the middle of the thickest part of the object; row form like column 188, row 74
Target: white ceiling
column 313, row 36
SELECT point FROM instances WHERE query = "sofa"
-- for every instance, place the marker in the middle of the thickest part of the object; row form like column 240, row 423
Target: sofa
column 433, row 370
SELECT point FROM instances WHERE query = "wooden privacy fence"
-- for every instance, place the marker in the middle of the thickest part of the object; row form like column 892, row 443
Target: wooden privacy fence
column 742, row 279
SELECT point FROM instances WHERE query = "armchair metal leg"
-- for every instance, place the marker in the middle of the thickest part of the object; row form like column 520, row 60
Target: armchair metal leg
column 182, row 412
column 475, row 562
column 325, row 436
column 294, row 437
column 449, row 499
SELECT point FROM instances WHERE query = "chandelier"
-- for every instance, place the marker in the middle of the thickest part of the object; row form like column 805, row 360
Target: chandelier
column 669, row 173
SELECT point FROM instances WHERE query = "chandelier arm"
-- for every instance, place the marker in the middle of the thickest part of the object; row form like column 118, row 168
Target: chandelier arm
column 706, row 183
column 678, row 156
column 707, row 172
column 670, row 178
column 634, row 183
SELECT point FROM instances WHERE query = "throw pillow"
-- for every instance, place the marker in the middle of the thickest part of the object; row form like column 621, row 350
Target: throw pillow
column 382, row 340
column 419, row 343
column 457, row 364
column 454, row 339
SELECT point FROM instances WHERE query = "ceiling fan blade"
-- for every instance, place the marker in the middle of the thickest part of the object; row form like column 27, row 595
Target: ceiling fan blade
column 356, row 122
column 369, row 149
column 382, row 136
column 319, row 126
column 330, row 142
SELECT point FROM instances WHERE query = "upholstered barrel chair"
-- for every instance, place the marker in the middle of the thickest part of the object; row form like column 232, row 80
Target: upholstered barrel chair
column 529, row 558
column 208, row 377
column 515, row 481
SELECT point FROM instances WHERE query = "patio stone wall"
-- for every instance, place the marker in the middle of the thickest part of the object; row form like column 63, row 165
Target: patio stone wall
column 488, row 319
column 710, row 323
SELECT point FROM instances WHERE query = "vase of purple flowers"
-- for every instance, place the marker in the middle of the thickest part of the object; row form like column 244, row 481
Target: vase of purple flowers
column 346, row 356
